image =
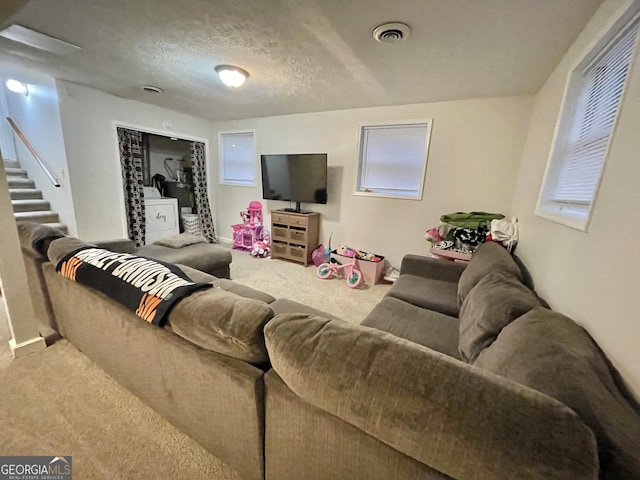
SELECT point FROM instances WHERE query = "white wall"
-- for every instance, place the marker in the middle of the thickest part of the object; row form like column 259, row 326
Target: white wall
column 37, row 115
column 160, row 149
column 591, row 277
column 475, row 152
column 89, row 119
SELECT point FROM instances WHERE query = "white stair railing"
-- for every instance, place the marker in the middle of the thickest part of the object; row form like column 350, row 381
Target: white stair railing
column 27, row 144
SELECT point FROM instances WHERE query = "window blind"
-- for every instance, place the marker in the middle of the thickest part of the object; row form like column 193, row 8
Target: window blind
column 237, row 158
column 600, row 92
column 392, row 159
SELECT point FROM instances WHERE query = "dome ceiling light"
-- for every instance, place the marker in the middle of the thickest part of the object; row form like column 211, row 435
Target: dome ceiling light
column 232, row 76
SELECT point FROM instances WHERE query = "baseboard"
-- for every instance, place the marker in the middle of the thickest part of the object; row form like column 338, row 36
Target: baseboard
column 25, row 348
column 225, row 240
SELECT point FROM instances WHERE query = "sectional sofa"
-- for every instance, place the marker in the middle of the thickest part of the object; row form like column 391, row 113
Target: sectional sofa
column 459, row 372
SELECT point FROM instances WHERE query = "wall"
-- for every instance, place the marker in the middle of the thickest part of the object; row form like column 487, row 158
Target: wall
column 591, row 277
column 37, row 115
column 161, row 148
column 89, row 119
column 475, row 151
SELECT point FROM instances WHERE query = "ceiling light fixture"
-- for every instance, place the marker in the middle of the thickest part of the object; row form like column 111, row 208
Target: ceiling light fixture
column 17, row 87
column 231, row 75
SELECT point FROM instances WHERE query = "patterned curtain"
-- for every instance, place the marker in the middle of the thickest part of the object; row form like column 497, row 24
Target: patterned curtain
column 200, row 192
column 130, row 142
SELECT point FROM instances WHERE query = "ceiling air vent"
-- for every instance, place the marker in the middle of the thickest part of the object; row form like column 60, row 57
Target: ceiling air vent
column 151, row 89
column 391, row 32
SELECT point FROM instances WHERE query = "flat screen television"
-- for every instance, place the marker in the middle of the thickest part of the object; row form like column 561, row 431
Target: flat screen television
column 300, row 178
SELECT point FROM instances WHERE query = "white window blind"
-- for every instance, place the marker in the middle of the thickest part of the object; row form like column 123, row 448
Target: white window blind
column 237, row 158
column 393, row 159
column 583, row 140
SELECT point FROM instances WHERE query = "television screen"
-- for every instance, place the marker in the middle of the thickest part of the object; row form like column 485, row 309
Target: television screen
column 300, row 178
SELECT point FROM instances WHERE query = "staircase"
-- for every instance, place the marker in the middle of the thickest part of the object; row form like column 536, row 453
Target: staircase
column 27, row 201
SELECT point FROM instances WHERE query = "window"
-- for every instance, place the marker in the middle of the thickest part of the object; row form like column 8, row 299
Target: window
column 236, row 158
column 393, row 160
column 594, row 94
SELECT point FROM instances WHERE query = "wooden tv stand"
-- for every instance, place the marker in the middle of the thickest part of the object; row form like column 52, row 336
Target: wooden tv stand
column 294, row 236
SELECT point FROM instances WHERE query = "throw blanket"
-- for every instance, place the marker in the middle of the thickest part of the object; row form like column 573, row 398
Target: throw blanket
column 149, row 288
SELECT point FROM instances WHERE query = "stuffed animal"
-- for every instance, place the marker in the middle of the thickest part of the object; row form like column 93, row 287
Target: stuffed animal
column 432, row 235
column 346, row 251
column 261, row 249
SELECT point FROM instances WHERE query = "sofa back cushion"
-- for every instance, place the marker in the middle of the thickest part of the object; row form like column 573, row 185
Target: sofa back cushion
column 550, row 353
column 61, row 247
column 36, row 237
column 487, row 258
column 459, row 420
column 223, row 322
column 497, row 300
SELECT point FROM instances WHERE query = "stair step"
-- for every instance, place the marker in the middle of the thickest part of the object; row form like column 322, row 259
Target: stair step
column 30, row 205
column 25, row 193
column 11, row 164
column 44, row 216
column 16, row 172
column 18, row 182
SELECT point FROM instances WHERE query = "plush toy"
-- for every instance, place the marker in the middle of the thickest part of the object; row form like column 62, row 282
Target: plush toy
column 346, row 251
column 261, row 249
column 432, row 235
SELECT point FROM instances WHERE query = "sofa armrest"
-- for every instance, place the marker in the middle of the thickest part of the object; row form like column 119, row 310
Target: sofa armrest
column 119, row 245
column 435, row 268
column 458, row 419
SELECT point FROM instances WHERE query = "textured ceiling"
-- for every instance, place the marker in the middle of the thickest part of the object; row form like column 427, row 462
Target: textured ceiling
column 302, row 55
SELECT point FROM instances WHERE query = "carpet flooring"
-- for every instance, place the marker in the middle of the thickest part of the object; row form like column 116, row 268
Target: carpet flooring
column 58, row 402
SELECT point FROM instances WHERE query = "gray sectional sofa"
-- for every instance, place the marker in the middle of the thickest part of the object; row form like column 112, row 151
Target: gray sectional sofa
column 458, row 372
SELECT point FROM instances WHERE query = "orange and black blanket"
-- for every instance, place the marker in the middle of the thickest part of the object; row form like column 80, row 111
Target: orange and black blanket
column 149, row 288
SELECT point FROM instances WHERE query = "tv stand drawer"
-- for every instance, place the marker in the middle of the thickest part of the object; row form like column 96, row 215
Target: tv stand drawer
column 298, row 219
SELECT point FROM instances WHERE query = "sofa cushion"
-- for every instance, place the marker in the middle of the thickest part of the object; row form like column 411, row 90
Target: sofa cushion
column 181, row 240
column 497, row 300
column 284, row 305
column 550, row 353
column 223, row 322
column 61, row 247
column 438, row 295
column 243, row 290
column 487, row 258
column 226, row 285
column 458, row 419
column 36, row 237
column 201, row 256
column 434, row 330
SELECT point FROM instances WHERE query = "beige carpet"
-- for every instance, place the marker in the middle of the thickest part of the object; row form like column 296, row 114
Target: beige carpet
column 281, row 278
column 58, row 402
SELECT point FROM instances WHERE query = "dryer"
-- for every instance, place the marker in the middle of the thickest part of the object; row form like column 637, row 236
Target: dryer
column 161, row 216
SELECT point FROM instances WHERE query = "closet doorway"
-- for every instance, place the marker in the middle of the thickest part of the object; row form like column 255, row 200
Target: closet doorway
column 168, row 175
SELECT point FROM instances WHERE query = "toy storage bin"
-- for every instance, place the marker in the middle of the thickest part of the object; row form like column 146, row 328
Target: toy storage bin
column 372, row 272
